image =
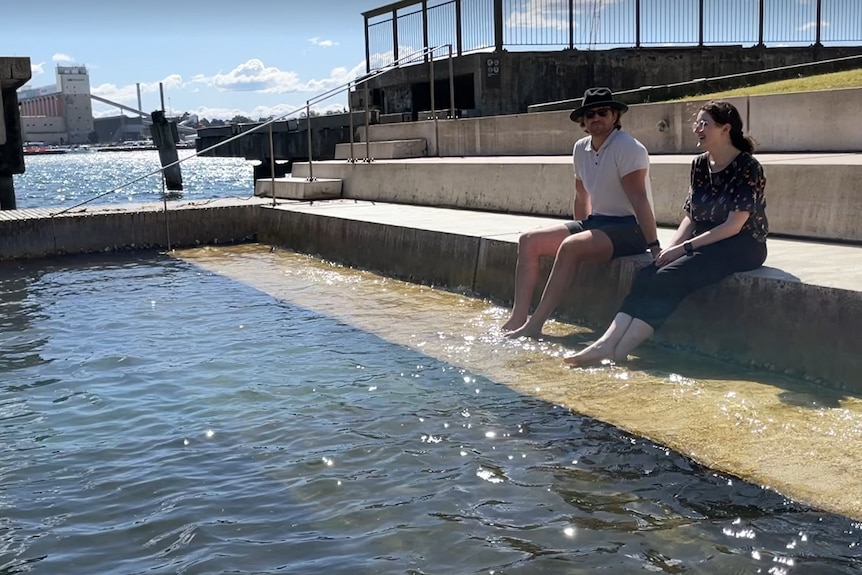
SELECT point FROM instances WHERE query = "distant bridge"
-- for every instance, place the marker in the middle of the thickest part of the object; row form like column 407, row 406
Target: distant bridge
column 147, row 119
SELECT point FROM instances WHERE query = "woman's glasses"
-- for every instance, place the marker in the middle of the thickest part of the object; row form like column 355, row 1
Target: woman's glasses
column 590, row 114
column 699, row 125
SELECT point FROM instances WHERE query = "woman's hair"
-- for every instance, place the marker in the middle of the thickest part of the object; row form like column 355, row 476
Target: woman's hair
column 723, row 112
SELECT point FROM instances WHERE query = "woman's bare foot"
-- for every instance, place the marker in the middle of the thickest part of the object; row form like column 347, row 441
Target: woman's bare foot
column 590, row 356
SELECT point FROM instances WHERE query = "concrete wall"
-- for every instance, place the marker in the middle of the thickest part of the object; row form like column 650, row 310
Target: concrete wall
column 110, row 230
column 528, row 78
column 797, row 122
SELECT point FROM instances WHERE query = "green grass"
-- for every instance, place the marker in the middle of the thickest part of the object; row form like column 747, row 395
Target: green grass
column 836, row 80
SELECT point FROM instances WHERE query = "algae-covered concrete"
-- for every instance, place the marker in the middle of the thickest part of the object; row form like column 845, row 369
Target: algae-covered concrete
column 797, row 438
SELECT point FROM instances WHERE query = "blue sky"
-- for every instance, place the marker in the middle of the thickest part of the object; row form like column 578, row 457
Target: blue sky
column 214, row 58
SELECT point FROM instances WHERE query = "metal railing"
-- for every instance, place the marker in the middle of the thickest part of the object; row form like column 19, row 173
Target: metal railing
column 482, row 25
column 427, row 53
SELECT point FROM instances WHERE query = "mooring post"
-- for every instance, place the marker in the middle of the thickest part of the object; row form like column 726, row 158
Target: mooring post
column 165, row 138
column 14, row 73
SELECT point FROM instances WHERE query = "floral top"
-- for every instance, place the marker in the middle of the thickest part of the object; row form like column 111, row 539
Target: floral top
column 738, row 187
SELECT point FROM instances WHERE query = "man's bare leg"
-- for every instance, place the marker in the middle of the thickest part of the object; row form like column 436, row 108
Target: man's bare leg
column 604, row 347
column 593, row 246
column 531, row 247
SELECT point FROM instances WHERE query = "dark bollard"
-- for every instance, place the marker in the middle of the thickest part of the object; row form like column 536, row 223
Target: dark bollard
column 7, row 193
column 14, row 72
column 165, row 138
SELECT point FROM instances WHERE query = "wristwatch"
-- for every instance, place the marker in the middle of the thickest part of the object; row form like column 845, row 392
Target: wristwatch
column 655, row 244
column 689, row 249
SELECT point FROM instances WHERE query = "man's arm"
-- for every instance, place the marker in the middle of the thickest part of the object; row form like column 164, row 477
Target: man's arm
column 634, row 185
column 582, row 207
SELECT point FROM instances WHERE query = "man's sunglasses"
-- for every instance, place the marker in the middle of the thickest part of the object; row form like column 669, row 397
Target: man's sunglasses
column 590, row 114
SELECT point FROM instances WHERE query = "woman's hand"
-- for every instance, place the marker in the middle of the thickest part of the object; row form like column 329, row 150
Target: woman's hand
column 669, row 255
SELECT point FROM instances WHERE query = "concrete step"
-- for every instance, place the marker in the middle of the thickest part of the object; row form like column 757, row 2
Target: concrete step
column 813, row 196
column 296, row 188
column 384, row 149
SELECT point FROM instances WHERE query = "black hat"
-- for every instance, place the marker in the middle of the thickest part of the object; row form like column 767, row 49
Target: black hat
column 597, row 98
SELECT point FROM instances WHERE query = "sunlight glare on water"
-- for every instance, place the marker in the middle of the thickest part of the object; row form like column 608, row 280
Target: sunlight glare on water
column 57, row 181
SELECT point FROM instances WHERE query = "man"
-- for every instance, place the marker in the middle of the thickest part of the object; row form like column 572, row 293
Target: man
column 613, row 215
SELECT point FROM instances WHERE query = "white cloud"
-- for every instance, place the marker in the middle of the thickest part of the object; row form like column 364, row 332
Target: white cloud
column 324, row 43
column 128, row 94
column 255, row 76
column 37, row 69
column 811, row 25
column 59, row 58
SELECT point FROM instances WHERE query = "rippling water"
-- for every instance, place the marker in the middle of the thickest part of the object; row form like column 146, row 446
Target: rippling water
column 68, row 179
column 158, row 418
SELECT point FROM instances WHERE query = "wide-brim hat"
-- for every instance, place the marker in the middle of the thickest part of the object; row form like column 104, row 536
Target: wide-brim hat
column 597, row 98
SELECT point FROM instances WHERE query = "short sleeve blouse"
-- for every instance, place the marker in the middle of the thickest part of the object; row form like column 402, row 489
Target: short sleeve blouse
column 738, row 187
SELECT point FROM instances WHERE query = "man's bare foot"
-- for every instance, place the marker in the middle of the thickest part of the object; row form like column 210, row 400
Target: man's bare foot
column 513, row 323
column 525, row 330
column 590, row 356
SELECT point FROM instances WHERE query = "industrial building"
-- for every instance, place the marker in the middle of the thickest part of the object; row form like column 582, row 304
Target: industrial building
column 59, row 114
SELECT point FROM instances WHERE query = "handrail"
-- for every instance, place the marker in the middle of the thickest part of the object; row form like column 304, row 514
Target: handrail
column 363, row 81
column 268, row 124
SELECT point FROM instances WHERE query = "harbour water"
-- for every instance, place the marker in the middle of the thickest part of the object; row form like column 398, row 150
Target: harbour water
column 158, row 417
column 65, row 180
column 248, row 410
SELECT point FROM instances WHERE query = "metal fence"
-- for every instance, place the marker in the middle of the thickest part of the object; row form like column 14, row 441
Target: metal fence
column 477, row 25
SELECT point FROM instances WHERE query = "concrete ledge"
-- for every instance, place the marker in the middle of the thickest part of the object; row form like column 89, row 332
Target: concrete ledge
column 794, row 319
column 295, row 188
column 542, row 185
column 388, row 149
column 38, row 233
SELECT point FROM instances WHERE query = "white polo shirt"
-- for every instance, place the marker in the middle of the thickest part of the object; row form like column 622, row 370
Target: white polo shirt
column 602, row 170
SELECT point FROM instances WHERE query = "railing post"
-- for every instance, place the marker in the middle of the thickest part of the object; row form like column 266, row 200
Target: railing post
column 451, row 85
column 425, row 28
column 310, row 153
column 271, row 165
column 434, row 111
column 395, row 35
column 352, row 157
column 367, row 49
column 571, row 24
column 819, row 28
column 498, row 25
column 367, row 113
column 637, row 23
column 458, row 44
column 700, row 24
column 761, row 24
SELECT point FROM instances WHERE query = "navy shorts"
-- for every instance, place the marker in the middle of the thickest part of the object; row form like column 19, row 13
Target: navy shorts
column 624, row 232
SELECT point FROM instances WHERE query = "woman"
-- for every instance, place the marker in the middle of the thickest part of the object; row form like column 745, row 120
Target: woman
column 723, row 232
